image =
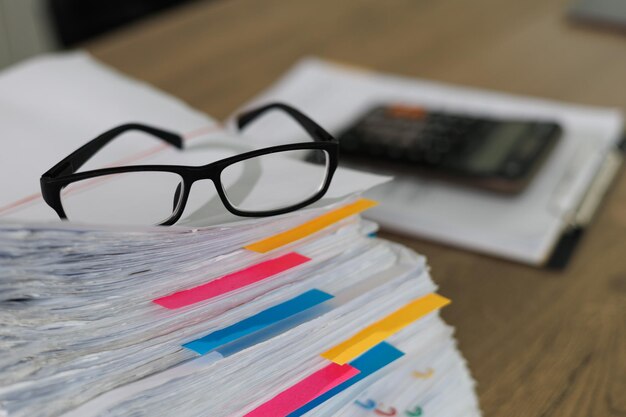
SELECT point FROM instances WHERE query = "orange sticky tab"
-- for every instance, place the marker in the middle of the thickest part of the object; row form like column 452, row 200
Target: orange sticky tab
column 379, row 331
column 310, row 227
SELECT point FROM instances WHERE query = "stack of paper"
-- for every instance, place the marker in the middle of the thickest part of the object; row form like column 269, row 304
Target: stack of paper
column 224, row 321
column 304, row 313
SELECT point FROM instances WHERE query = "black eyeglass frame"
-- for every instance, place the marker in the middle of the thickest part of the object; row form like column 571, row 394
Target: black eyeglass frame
column 64, row 173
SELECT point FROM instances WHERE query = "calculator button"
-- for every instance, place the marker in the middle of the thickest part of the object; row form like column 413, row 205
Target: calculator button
column 433, row 158
column 375, row 149
column 349, row 142
column 395, row 152
column 443, row 145
column 415, row 155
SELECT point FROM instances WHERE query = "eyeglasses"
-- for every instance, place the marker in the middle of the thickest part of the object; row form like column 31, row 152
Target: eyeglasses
column 158, row 194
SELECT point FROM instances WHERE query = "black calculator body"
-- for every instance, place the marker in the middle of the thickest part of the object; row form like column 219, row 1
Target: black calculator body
column 496, row 154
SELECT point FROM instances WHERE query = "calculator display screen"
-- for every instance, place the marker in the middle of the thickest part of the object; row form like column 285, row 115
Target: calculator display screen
column 497, row 146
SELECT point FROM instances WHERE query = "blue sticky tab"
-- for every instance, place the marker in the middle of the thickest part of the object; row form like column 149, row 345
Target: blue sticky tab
column 258, row 322
column 371, row 361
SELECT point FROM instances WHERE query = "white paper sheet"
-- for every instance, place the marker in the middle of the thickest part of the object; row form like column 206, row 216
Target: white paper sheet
column 50, row 106
column 522, row 227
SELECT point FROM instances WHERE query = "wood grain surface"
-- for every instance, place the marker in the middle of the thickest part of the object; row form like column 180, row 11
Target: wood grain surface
column 539, row 343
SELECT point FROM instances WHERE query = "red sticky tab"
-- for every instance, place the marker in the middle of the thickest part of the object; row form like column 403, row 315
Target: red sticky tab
column 231, row 282
column 305, row 391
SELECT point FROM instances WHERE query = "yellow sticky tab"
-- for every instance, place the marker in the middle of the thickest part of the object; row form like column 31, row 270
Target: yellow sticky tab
column 382, row 329
column 311, row 226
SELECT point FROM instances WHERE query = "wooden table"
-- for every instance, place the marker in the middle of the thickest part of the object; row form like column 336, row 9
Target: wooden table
column 539, row 343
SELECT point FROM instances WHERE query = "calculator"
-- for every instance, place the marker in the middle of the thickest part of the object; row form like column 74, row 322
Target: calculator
column 496, row 154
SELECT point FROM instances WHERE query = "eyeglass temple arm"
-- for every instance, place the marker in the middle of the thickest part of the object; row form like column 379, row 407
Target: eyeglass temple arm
column 313, row 129
column 80, row 156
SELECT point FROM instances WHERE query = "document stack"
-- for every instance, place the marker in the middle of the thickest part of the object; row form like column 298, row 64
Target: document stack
column 304, row 313
column 529, row 228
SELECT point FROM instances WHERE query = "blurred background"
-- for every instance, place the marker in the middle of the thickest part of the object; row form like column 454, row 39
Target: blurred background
column 512, row 45
column 29, row 27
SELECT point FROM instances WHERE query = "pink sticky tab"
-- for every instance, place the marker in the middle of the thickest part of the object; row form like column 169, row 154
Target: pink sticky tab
column 231, row 282
column 305, row 391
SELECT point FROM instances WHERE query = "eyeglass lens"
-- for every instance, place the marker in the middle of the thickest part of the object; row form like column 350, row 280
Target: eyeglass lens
column 264, row 183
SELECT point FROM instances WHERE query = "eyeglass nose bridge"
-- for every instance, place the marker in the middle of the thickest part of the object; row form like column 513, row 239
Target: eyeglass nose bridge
column 182, row 192
column 204, row 172
column 241, row 187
